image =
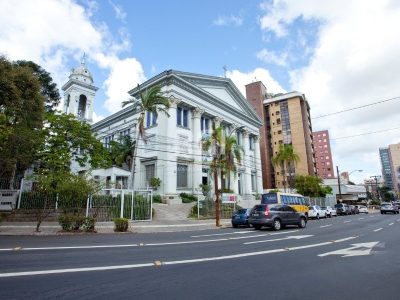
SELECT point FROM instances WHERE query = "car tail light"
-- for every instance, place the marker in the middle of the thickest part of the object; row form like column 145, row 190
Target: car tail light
column 266, row 211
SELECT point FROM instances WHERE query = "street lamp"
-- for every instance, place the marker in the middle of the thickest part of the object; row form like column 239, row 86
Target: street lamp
column 355, row 171
column 338, row 178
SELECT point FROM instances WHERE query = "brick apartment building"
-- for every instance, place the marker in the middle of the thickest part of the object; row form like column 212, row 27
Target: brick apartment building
column 323, row 154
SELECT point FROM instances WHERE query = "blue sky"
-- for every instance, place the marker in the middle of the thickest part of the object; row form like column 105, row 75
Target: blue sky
column 340, row 54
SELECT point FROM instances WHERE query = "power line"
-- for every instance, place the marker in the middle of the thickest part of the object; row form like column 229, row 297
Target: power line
column 365, row 133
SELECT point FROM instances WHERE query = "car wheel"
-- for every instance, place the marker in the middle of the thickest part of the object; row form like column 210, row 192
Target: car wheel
column 257, row 227
column 277, row 225
column 302, row 223
column 317, row 217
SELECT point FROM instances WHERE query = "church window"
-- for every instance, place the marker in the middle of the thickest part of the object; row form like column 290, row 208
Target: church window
column 182, row 117
column 205, row 125
column 82, row 106
column 151, row 119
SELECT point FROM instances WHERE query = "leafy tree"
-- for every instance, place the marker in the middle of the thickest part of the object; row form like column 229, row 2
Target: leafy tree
column 386, row 194
column 66, row 139
column 122, row 151
column 286, row 158
column 48, row 88
column 21, row 109
column 311, row 186
column 150, row 101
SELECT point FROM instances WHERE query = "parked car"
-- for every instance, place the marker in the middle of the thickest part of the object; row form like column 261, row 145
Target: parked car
column 316, row 212
column 276, row 216
column 241, row 217
column 354, row 210
column 342, row 209
column 389, row 207
column 362, row 209
column 330, row 212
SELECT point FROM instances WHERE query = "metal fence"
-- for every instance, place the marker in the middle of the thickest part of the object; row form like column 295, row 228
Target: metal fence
column 104, row 206
column 206, row 209
column 327, row 201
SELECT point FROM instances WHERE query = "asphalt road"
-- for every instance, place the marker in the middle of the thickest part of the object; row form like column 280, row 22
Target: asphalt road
column 352, row 257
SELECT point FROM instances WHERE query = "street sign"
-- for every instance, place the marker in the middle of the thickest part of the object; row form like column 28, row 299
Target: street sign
column 228, row 198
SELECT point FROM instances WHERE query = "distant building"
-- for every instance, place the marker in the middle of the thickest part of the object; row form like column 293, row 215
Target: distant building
column 323, row 154
column 386, row 167
column 394, row 158
column 286, row 121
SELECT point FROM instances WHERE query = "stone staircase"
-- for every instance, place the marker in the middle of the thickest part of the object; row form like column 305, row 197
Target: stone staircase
column 172, row 212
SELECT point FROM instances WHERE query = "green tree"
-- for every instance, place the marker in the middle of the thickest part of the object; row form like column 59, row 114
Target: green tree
column 386, row 194
column 66, row 139
column 122, row 151
column 311, row 186
column 214, row 143
column 21, row 107
column 286, row 159
column 151, row 101
column 231, row 157
column 48, row 88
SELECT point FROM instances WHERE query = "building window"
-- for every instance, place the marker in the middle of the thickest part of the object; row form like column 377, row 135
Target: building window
column 151, row 119
column 126, row 132
column 238, row 138
column 251, row 142
column 107, row 140
column 205, row 125
column 240, row 188
column 182, row 176
column 253, row 182
column 150, row 172
column 182, row 117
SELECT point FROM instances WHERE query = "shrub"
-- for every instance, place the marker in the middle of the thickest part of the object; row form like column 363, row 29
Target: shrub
column 89, row 223
column 187, row 198
column 66, row 222
column 121, row 224
column 78, row 221
column 157, row 199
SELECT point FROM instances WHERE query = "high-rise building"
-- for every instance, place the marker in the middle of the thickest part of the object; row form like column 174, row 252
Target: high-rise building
column 323, row 154
column 386, row 167
column 286, row 120
column 394, row 158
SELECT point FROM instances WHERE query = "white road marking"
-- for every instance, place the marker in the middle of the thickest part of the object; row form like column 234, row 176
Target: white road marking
column 348, row 221
column 345, row 239
column 372, row 216
column 218, row 234
column 69, row 247
column 361, row 218
column 296, row 237
column 391, row 224
column 325, row 226
column 376, row 230
column 357, row 250
column 143, row 265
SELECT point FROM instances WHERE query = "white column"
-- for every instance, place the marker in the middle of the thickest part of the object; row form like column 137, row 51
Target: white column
column 258, row 165
column 196, row 148
column 247, row 163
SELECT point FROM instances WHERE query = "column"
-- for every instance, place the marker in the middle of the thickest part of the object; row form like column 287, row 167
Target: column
column 258, row 166
column 196, row 149
column 247, row 163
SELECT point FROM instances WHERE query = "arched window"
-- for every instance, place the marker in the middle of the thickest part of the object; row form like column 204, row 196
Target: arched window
column 82, row 106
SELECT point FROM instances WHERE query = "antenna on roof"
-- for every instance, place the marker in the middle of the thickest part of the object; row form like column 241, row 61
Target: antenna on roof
column 225, row 69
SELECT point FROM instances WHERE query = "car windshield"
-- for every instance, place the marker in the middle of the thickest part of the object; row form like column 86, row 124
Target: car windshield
column 386, row 205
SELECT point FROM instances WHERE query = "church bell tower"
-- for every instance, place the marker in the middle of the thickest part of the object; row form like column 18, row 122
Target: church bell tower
column 79, row 93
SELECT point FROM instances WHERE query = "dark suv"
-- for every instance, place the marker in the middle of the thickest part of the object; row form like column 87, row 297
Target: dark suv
column 276, row 216
column 342, row 209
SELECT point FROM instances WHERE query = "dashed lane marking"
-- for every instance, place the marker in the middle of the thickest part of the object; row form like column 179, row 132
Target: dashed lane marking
column 348, row 221
column 391, row 224
column 361, row 218
column 161, row 264
column 376, row 230
column 296, row 237
column 323, row 226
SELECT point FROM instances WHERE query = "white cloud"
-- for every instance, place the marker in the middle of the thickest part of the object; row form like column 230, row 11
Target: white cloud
column 30, row 32
column 241, row 79
column 119, row 11
column 273, row 58
column 228, row 20
column 97, row 118
column 355, row 62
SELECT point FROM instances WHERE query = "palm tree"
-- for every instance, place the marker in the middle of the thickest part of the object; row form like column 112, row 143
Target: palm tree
column 286, row 158
column 225, row 151
column 231, row 156
column 151, row 101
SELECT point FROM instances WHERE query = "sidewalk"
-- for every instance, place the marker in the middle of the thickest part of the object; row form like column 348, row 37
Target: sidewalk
column 53, row 228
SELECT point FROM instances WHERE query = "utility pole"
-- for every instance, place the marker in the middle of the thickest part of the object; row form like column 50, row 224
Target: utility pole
column 338, row 181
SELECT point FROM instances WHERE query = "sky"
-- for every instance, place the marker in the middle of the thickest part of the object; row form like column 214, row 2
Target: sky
column 340, row 54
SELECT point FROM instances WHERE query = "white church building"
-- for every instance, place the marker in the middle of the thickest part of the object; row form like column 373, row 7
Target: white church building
column 173, row 149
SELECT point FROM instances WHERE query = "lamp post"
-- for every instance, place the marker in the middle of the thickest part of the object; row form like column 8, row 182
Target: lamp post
column 338, row 180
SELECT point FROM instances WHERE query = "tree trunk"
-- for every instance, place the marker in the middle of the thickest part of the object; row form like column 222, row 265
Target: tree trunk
column 217, row 207
column 134, row 162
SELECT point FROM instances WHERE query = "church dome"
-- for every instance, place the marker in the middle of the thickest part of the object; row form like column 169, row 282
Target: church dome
column 82, row 73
